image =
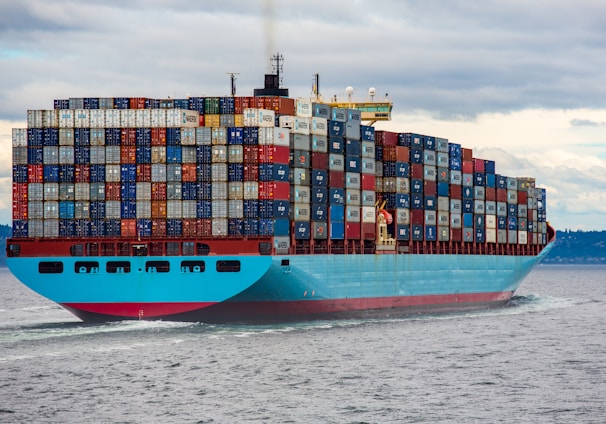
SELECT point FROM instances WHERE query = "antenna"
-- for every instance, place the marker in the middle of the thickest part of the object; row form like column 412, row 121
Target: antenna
column 233, row 82
column 316, row 86
column 277, row 67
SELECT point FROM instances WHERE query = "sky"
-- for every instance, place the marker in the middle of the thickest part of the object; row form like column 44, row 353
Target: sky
column 520, row 82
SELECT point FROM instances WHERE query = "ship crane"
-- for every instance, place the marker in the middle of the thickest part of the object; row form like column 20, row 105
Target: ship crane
column 384, row 240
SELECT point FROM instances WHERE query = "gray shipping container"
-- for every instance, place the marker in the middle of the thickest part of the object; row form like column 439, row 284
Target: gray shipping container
column 50, row 155
column 35, row 209
column 174, row 209
column 35, row 228
column 35, row 191
column 189, row 209
column 67, row 191
column 143, row 209
column 97, row 191
column 174, row 190
column 158, row 173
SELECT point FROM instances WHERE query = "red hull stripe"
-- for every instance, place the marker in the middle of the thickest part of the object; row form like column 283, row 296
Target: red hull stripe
column 268, row 310
column 139, row 310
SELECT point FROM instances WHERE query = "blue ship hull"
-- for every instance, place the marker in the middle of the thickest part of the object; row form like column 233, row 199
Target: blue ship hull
column 277, row 288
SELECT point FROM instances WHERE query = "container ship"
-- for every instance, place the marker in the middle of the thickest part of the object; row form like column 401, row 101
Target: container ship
column 261, row 208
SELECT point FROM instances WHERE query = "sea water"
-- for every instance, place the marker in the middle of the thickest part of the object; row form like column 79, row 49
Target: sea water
column 541, row 359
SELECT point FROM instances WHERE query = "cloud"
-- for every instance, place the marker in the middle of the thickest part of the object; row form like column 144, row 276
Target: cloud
column 586, row 123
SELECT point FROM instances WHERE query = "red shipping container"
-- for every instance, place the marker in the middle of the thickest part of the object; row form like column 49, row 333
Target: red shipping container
column 522, row 197
column 19, row 209
column 82, row 173
column 251, row 154
column 402, row 154
column 20, row 192
column 416, row 171
column 137, row 102
column 158, row 191
column 467, row 167
column 430, row 188
column 247, row 102
column 237, row 106
column 456, row 234
column 386, row 138
column 128, row 227
column 319, row 160
column 35, row 173
column 490, row 194
column 190, row 228
column 456, row 192
column 205, row 227
column 368, row 182
column 369, row 230
column 128, row 154
column 501, row 195
column 269, row 190
column 274, row 154
column 417, row 216
column 352, row 230
column 251, row 172
column 336, row 179
column 467, row 154
column 112, row 191
column 128, row 136
column 158, row 227
column 188, row 172
column 201, row 120
column 143, row 173
column 390, row 153
column 158, row 136
column 259, row 102
column 478, row 165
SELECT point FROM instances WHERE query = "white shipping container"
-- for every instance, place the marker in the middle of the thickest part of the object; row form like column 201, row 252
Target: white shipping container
column 319, row 143
column 51, row 191
column 188, row 136
column 50, row 118
column 176, row 118
column 353, row 197
column 50, row 155
column 51, row 228
column 236, row 191
column 128, row 118
column 158, row 118
column 286, row 121
column 66, row 136
column 113, row 118
column 235, row 153
column 301, row 125
column 112, row 173
column 97, row 154
column 35, row 228
column 218, row 172
column 251, row 190
column 219, row 208
column 336, row 162
column 34, row 119
column 35, row 191
column 368, row 214
column 303, row 108
column 174, row 209
column 219, row 226
column 301, row 212
column 97, row 136
column 259, row 118
column 402, row 216
column 143, row 118
column 97, row 118
column 35, row 209
column 282, row 245
column 203, row 136
column 189, row 209
column 266, row 136
column 143, row 209
column 219, row 191
column 491, row 235
column 19, row 155
column 19, row 137
column 143, row 191
column 281, row 136
column 301, row 194
column 218, row 135
column 369, row 198
column 66, row 118
column 112, row 209
column 352, row 213
column 319, row 126
column 235, row 209
column 82, row 118
column 158, row 154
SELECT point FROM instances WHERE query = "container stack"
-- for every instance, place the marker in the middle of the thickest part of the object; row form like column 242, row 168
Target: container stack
column 438, row 191
column 254, row 167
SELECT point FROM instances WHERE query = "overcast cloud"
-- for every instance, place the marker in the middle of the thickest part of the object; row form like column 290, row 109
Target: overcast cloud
column 520, row 82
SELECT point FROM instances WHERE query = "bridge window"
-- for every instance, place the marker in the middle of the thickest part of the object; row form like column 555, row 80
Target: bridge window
column 157, row 266
column 88, row 267
column 118, row 267
column 228, row 266
column 50, row 267
column 193, row 266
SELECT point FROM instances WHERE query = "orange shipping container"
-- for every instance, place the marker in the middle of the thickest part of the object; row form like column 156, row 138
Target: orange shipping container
column 158, row 209
column 128, row 227
column 128, row 154
column 158, row 136
column 144, row 173
column 158, row 228
column 158, row 191
column 112, row 191
column 188, row 172
column 128, row 136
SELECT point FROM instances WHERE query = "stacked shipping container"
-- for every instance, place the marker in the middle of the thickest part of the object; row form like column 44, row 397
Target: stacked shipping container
column 254, row 167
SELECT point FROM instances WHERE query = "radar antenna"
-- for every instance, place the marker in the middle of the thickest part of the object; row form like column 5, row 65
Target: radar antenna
column 233, row 82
